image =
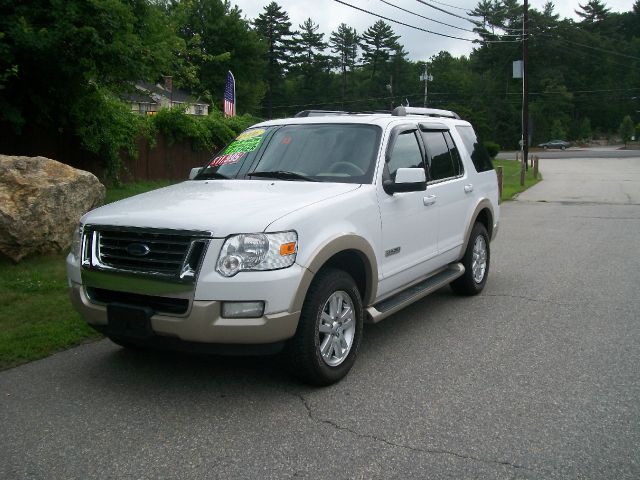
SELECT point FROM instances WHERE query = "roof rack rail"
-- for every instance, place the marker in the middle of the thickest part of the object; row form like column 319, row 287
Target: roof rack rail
column 319, row 113
column 322, row 113
column 402, row 111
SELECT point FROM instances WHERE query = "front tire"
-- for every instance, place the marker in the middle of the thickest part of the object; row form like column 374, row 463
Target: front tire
column 326, row 342
column 476, row 261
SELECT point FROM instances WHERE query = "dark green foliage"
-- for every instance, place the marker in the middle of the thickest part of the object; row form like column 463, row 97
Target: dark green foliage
column 344, row 43
column 378, row 42
column 592, row 11
column 626, row 129
column 106, row 126
column 274, row 28
column 492, row 148
column 219, row 39
column 205, row 133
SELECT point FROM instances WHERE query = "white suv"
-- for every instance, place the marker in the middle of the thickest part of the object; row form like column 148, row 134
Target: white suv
column 293, row 236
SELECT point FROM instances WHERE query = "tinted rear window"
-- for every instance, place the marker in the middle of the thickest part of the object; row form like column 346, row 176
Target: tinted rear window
column 479, row 155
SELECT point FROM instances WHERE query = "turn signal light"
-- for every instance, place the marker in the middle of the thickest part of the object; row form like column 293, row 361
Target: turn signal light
column 288, row 249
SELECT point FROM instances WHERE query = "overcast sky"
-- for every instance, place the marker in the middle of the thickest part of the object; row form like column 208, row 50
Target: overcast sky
column 420, row 45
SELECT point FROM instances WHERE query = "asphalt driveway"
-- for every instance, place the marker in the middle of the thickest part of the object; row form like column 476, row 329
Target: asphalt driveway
column 538, row 377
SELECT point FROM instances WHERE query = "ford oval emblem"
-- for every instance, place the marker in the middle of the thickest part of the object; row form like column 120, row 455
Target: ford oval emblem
column 138, row 249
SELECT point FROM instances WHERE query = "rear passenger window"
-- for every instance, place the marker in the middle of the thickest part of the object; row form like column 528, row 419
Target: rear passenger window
column 406, row 153
column 455, row 154
column 479, row 155
column 441, row 164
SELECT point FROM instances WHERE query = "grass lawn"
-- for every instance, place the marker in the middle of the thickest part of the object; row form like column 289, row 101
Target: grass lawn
column 511, row 178
column 36, row 316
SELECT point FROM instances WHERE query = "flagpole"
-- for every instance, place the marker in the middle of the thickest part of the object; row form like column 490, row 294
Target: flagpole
column 234, row 92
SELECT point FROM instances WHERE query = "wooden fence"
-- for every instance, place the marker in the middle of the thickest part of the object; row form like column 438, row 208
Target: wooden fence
column 160, row 162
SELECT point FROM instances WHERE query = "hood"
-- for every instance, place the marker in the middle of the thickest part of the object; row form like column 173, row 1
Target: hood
column 222, row 207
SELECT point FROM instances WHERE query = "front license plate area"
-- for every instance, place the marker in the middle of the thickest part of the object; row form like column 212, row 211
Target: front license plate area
column 129, row 321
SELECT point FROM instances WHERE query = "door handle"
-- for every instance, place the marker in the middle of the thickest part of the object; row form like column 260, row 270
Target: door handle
column 468, row 188
column 430, row 200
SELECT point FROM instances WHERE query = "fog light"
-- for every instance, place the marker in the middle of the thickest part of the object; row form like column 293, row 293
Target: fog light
column 242, row 309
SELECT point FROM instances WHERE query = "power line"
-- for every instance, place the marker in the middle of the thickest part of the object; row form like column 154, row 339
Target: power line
column 598, row 49
column 422, row 29
column 434, row 20
column 572, row 50
column 446, row 11
column 426, row 18
column 451, row 6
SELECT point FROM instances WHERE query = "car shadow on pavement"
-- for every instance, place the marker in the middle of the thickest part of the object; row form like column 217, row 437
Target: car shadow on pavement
column 154, row 372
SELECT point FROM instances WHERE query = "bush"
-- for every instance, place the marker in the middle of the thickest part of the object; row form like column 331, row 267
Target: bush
column 492, row 148
column 211, row 132
column 106, row 126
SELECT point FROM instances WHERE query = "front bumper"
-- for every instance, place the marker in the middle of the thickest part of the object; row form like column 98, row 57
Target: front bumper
column 203, row 322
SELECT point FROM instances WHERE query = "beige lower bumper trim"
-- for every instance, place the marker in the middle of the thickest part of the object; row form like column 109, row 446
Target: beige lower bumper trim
column 203, row 322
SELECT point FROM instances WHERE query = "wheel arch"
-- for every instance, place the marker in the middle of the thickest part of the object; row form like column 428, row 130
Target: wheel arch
column 484, row 214
column 350, row 253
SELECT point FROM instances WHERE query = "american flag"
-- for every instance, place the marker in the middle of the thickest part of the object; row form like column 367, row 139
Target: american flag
column 230, row 96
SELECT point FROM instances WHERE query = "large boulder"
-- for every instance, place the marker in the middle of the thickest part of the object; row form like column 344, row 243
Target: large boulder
column 41, row 201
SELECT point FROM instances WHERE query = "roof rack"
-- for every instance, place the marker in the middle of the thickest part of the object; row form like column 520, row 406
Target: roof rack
column 319, row 113
column 402, row 111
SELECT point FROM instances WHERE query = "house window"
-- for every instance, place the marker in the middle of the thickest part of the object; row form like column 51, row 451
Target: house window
column 199, row 110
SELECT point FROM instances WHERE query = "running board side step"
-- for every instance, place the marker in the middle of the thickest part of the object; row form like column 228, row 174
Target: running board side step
column 391, row 305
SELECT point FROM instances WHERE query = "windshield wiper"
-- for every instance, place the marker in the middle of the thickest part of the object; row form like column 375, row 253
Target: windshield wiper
column 282, row 174
column 204, row 174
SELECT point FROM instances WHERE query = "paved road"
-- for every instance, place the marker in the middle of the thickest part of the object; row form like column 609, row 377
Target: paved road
column 596, row 152
column 537, row 378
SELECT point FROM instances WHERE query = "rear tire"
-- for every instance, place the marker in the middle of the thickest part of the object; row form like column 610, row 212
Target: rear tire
column 326, row 342
column 476, row 261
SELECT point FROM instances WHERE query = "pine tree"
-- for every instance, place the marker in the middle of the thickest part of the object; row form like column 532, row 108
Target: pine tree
column 378, row 42
column 626, row 129
column 274, row 27
column 308, row 46
column 593, row 11
column 485, row 11
column 344, row 42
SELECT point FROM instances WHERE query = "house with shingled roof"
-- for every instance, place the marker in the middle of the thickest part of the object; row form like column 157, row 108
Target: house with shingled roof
column 147, row 98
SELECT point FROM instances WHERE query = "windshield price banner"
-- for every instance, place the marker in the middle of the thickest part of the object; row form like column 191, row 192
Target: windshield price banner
column 244, row 143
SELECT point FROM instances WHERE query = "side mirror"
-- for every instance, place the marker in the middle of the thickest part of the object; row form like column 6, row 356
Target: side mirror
column 194, row 172
column 407, row 180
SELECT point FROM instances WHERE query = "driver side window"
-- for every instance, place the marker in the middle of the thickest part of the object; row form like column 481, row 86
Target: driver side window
column 406, row 153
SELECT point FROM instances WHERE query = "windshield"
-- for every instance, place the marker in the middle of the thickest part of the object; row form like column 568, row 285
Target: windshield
column 342, row 153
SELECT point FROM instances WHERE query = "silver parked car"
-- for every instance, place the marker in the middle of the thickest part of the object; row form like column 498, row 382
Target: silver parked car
column 561, row 144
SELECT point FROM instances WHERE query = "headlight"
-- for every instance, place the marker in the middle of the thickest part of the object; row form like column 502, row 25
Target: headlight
column 257, row 251
column 76, row 243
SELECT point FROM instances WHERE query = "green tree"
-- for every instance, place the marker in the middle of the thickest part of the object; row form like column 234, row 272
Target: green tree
column 218, row 39
column 378, row 42
column 584, row 132
column 344, row 43
column 274, row 27
column 626, row 129
column 308, row 47
column 593, row 11
column 62, row 49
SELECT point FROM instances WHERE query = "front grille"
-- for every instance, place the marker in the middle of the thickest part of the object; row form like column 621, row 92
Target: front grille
column 166, row 253
column 176, row 306
column 169, row 254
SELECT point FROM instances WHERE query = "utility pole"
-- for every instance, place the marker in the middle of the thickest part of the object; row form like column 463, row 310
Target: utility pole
column 426, row 78
column 525, row 88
